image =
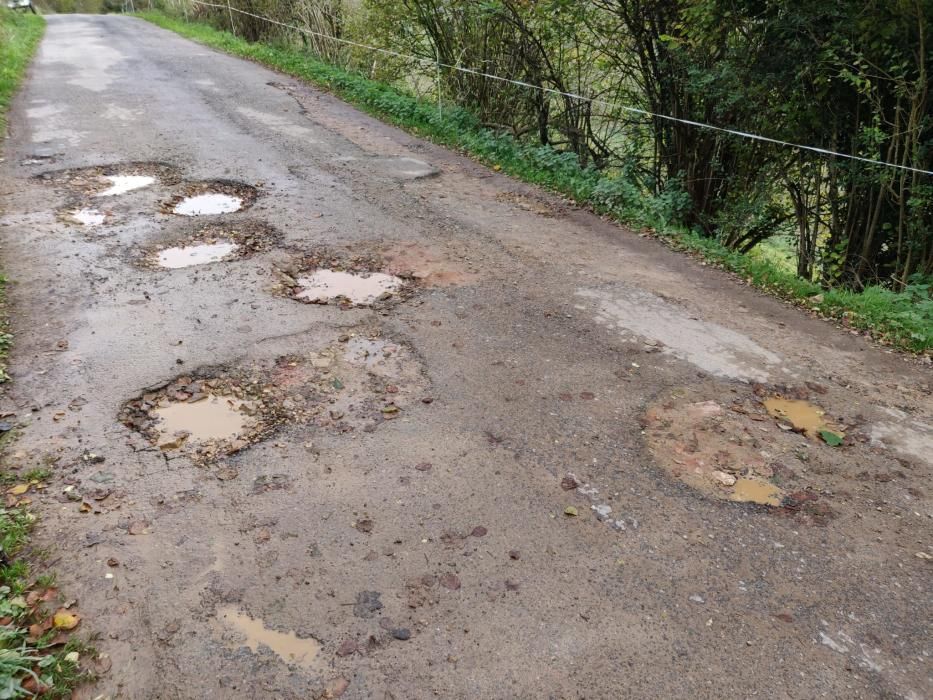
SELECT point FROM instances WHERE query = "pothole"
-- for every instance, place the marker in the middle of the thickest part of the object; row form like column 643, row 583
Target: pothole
column 359, row 382
column 121, row 184
column 199, row 254
column 362, row 289
column 88, row 217
column 213, row 242
column 203, row 420
column 342, row 279
column 734, row 451
column 253, row 633
column 112, row 179
column 211, row 199
column 803, row 416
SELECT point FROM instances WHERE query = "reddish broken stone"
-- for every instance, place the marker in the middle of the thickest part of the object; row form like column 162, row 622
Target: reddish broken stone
column 450, row 582
column 347, row 647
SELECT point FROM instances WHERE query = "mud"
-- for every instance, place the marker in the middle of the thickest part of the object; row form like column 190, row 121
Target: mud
column 255, row 635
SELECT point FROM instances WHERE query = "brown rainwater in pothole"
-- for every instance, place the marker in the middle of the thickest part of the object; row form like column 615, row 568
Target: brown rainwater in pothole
column 195, row 254
column 362, row 289
column 212, row 419
column 803, row 415
column 759, row 491
column 301, row 651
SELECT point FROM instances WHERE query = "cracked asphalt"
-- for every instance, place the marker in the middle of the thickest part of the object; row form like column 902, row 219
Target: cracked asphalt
column 545, row 363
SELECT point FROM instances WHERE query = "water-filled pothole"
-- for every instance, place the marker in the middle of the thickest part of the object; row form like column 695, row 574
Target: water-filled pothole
column 88, row 217
column 347, row 280
column 212, row 242
column 301, row 651
column 112, row 179
column 121, row 184
column 211, row 198
column 197, row 254
column 323, row 286
column 341, row 387
column 209, row 204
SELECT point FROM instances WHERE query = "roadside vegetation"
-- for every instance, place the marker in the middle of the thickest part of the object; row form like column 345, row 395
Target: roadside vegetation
column 847, row 240
column 38, row 656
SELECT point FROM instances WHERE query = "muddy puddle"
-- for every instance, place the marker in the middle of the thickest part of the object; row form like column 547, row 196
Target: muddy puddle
column 112, row 180
column 322, row 286
column 197, row 254
column 121, row 184
column 202, row 244
column 205, row 420
column 88, row 217
column 803, row 417
column 211, row 198
column 253, row 633
column 343, row 278
column 769, row 445
column 208, row 204
column 360, row 381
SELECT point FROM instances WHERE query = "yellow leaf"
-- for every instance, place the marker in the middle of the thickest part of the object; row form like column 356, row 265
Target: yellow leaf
column 571, row 511
column 19, row 489
column 65, row 620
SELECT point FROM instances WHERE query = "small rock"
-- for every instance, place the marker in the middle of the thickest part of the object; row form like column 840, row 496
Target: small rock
column 569, row 482
column 697, row 599
column 723, row 478
column 514, row 554
column 347, row 647
column 424, row 467
column 479, row 531
column 450, row 582
column 402, row 633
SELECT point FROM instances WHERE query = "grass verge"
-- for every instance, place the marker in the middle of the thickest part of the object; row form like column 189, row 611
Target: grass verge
column 904, row 320
column 38, row 656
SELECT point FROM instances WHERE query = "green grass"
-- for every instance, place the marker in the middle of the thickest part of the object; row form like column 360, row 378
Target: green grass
column 19, row 36
column 27, row 665
column 902, row 320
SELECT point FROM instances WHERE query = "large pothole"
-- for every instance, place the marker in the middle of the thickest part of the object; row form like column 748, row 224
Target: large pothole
column 329, row 277
column 213, row 242
column 359, row 382
column 211, row 198
column 770, row 447
column 113, row 179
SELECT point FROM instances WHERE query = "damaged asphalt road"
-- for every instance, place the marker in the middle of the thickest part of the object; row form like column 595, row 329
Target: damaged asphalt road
column 370, row 420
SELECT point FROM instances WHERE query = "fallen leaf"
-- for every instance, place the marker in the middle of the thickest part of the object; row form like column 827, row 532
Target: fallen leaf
column 18, row 490
column 65, row 620
column 571, row 511
column 831, row 438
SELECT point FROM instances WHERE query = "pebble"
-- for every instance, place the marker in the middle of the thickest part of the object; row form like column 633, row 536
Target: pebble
column 402, row 633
